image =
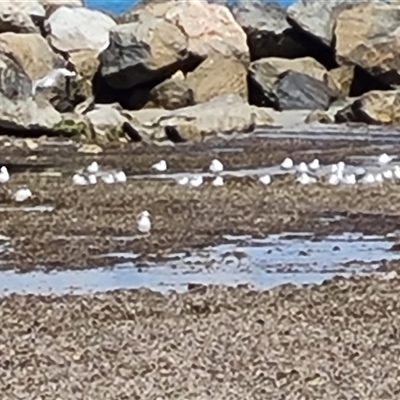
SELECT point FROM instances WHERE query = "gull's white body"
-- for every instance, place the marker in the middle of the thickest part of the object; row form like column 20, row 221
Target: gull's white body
column 22, row 194
column 108, row 178
column 92, row 179
column 265, row 180
column 303, row 167
column 161, row 166
column 314, row 165
column 196, row 181
column 120, row 177
column 4, row 175
column 305, row 179
column 93, row 168
column 218, row 181
column 144, row 222
column 79, row 180
column 384, row 159
column 216, row 166
column 51, row 78
column 287, row 163
column 183, row 181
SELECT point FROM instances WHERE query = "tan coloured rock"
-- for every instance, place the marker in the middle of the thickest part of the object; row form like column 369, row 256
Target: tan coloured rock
column 32, row 51
column 320, row 116
column 343, row 76
column 368, row 35
column 211, row 29
column 79, row 28
column 107, row 123
column 376, row 107
column 28, row 115
column 226, row 114
column 218, row 76
column 86, row 62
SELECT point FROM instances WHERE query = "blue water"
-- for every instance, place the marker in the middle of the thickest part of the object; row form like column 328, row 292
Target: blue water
column 120, row 6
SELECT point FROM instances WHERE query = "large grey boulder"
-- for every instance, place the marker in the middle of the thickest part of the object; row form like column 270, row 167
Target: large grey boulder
column 266, row 88
column 149, row 49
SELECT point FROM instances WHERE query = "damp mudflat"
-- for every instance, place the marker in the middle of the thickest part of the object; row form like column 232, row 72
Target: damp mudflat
column 263, row 263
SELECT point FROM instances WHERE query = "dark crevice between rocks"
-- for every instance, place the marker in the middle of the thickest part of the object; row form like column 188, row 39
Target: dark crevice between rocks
column 324, row 54
column 136, row 97
column 364, row 82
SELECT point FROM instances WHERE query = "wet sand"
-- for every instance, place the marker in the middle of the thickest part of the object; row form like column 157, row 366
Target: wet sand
column 335, row 340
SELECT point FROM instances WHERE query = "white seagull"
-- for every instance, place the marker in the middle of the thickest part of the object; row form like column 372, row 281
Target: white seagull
column 22, row 194
column 108, row 178
column 305, row 179
column 314, row 165
column 120, row 177
column 302, row 167
column 287, row 163
column 92, row 179
column 93, row 168
column 384, row 159
column 218, row 181
column 183, row 181
column 79, row 180
column 144, row 222
column 196, row 181
column 161, row 166
column 265, row 180
column 216, row 166
column 51, row 78
column 4, row 175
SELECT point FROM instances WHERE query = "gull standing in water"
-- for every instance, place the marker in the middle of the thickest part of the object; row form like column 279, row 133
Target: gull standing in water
column 384, row 159
column 305, row 179
column 183, row 181
column 144, row 222
column 287, row 163
column 302, row 167
column 314, row 165
column 120, row 177
column 4, row 175
column 216, row 166
column 196, row 181
column 51, row 79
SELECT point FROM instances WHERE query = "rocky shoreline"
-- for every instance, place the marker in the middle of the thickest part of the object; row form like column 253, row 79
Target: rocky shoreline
column 249, row 83
column 202, row 68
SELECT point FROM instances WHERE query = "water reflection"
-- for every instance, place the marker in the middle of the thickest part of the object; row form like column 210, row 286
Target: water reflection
column 263, row 263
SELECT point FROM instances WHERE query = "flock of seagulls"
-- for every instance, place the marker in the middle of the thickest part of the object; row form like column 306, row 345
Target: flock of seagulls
column 340, row 173
column 92, row 174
